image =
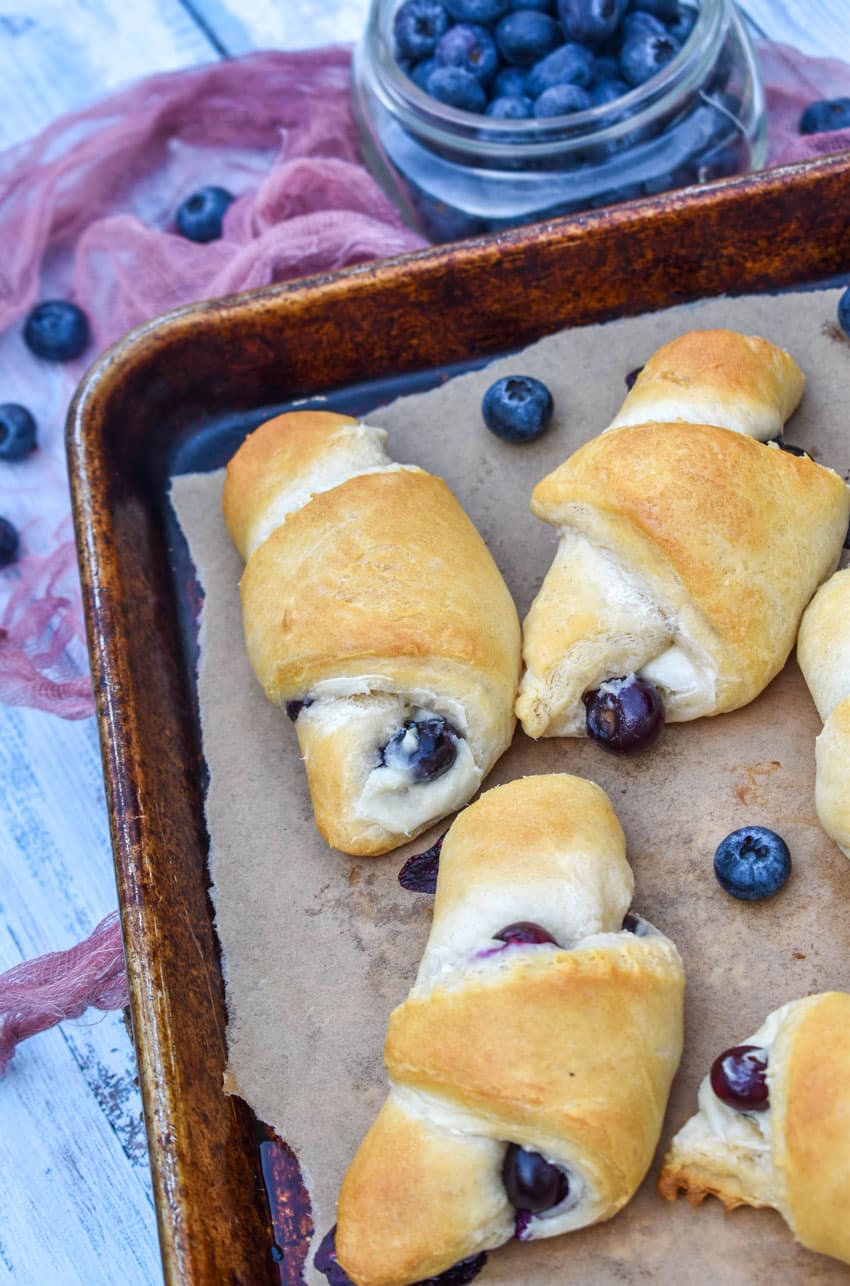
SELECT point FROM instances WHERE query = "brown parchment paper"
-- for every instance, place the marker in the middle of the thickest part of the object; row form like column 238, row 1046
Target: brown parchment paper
column 319, row 947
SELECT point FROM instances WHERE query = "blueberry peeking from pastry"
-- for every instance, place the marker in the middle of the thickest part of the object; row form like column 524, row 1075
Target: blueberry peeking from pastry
column 772, row 1126
column 375, row 615
column 507, row 1115
column 687, row 549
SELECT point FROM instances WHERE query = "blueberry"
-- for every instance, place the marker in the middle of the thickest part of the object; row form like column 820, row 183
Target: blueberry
column 526, row 36
column 470, row 48
column 531, row 1182
column 844, row 312
column 420, row 73
column 511, row 109
column 605, row 68
column 425, row 748
column 57, row 330
column 632, row 923
column 444, row 222
column 201, row 215
column 517, row 408
column 543, row 6
column 478, row 10
column 608, row 91
column 666, row 10
column 417, row 26
column 17, row 431
column 568, row 65
column 460, row 1274
column 643, row 57
column 682, row 27
column 641, row 24
column 9, row 543
column 510, row 82
column 632, row 376
column 739, row 1078
column 590, row 21
column 294, row 708
column 792, row 449
column 752, row 863
column 419, row 873
column 624, row 715
column 561, row 100
column 524, row 931
column 825, row 115
column 457, row 88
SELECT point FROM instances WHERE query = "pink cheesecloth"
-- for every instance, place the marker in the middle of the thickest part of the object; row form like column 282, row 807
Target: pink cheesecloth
column 86, row 213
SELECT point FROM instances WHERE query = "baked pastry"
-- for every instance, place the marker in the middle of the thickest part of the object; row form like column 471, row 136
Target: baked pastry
column 687, row 553
column 375, row 615
column 823, row 651
column 777, row 1132
column 513, row 1109
column 720, row 377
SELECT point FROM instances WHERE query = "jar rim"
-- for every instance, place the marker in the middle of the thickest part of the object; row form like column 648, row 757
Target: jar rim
column 450, row 127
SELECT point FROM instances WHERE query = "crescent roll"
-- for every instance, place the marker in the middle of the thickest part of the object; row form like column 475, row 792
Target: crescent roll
column 823, row 651
column 531, row 1063
column 375, row 615
column 793, row 1153
column 687, row 553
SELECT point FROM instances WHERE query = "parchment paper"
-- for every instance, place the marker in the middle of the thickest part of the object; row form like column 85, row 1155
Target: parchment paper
column 319, row 947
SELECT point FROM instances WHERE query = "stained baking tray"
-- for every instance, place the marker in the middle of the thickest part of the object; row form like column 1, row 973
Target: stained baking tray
column 179, row 394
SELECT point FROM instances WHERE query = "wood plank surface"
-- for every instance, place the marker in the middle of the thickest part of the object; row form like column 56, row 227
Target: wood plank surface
column 74, row 1183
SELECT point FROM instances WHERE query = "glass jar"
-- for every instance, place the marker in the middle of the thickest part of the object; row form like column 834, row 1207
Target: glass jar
column 456, row 173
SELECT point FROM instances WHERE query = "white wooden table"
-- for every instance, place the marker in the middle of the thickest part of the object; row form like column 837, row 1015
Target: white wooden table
column 75, row 1197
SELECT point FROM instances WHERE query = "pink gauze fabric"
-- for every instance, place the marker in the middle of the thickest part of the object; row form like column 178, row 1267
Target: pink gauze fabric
column 86, row 212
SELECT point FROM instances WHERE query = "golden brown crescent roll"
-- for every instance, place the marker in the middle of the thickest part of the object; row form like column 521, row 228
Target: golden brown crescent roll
column 823, row 651
column 374, row 613
column 717, row 377
column 782, row 1137
column 530, row 1065
column 687, row 554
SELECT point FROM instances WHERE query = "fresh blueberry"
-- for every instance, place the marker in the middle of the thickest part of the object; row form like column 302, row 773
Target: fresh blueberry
column 590, row 22
column 643, row 57
column 511, row 109
column 825, row 115
column 561, row 100
column 420, row 73
column 616, row 196
column 517, row 408
column 543, row 6
column 444, row 222
column 624, row 715
column 639, row 23
column 738, row 1077
column 478, row 10
column 419, row 873
column 425, row 748
column 57, row 330
column 568, row 65
column 721, row 162
column 471, row 48
column 752, row 863
column 526, row 36
column 608, row 91
column 9, row 543
column 531, row 1182
column 417, row 26
column 666, row 10
column 605, row 68
column 844, row 312
column 17, row 431
column 524, row 931
column 201, row 216
column 457, row 88
column 683, row 25
column 510, row 82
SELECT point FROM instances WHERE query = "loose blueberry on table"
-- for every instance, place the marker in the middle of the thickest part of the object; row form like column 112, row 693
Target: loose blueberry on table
column 201, row 216
column 517, row 408
column 425, row 748
column 624, row 715
column 9, row 543
column 739, row 1078
column 56, row 330
column 17, row 432
column 825, row 115
column 752, row 863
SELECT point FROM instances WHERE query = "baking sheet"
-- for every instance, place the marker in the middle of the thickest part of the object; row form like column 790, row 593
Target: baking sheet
column 318, row 947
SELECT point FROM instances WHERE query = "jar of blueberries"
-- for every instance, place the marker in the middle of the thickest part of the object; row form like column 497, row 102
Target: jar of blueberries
column 479, row 115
